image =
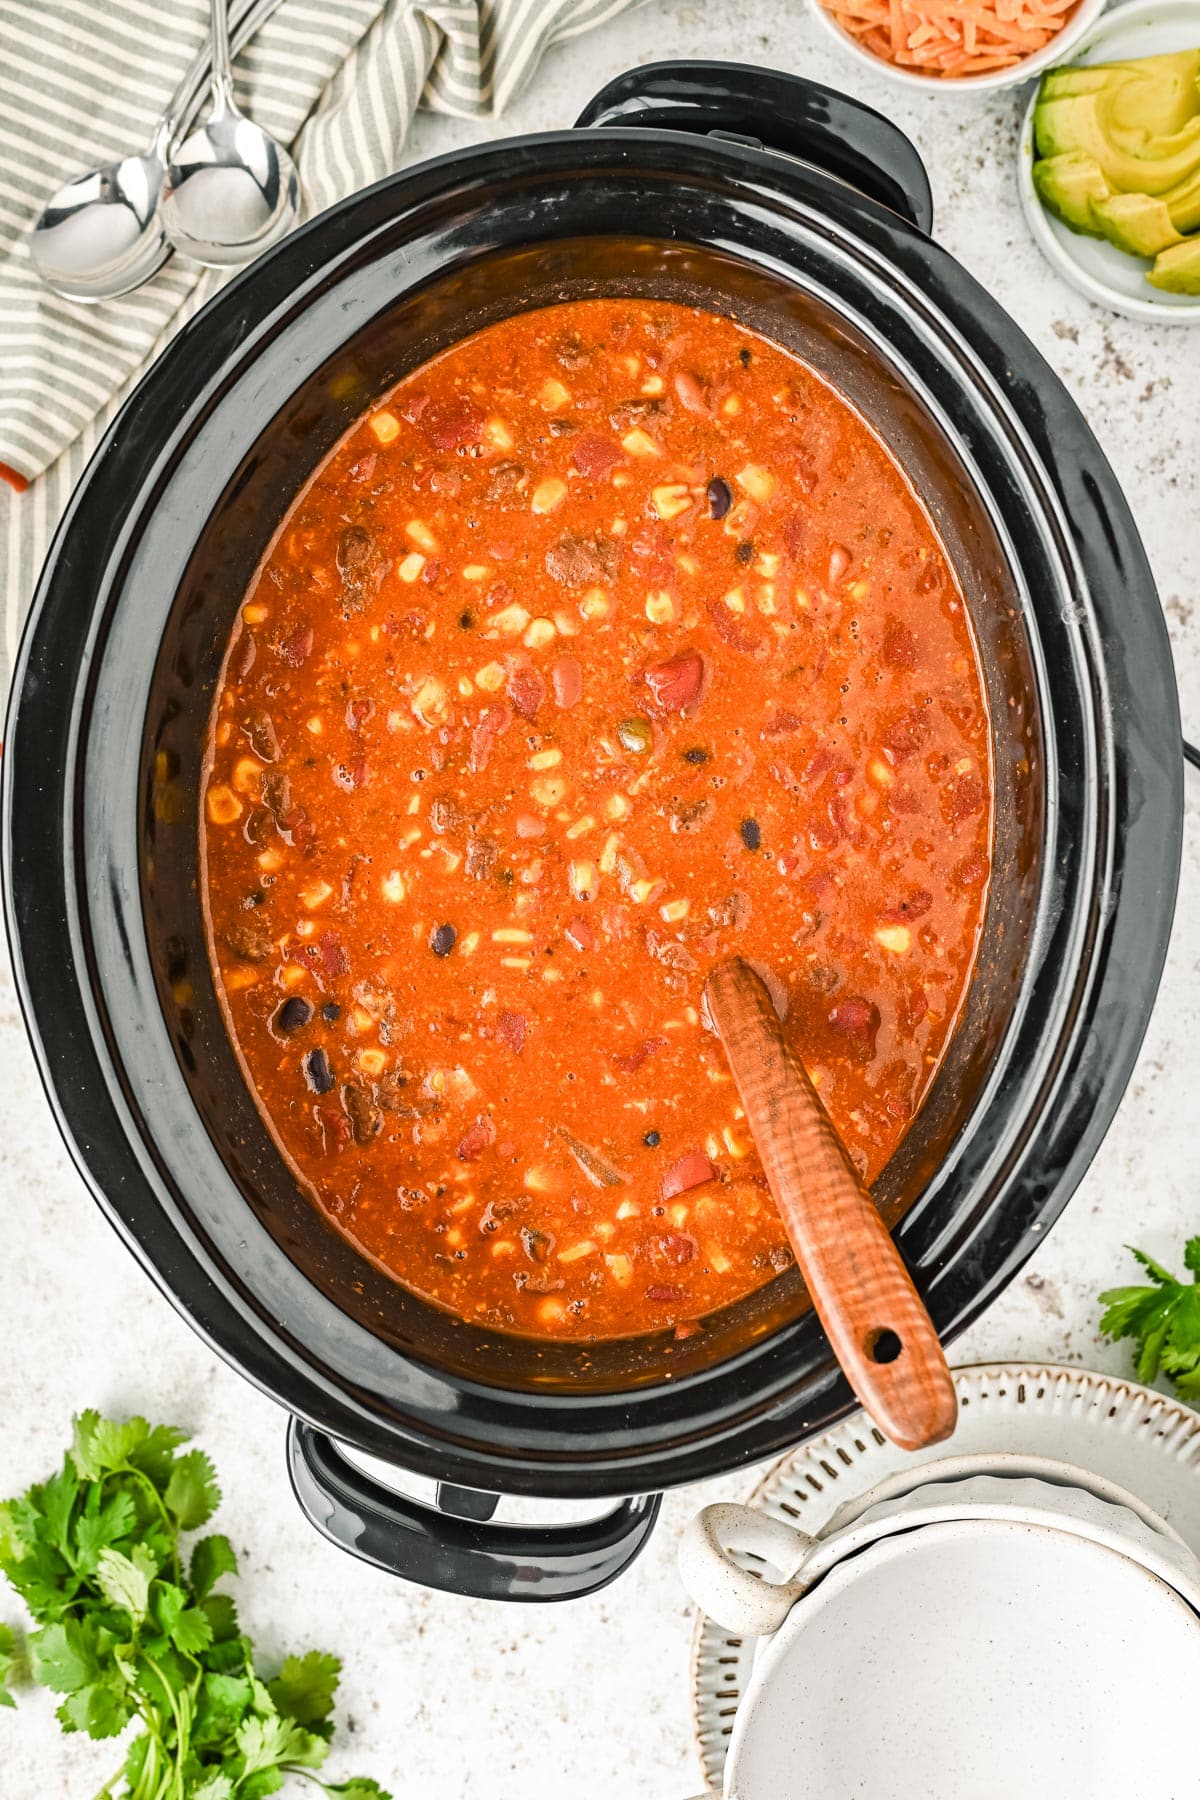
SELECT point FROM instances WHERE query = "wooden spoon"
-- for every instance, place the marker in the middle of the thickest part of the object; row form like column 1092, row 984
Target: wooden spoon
column 873, row 1316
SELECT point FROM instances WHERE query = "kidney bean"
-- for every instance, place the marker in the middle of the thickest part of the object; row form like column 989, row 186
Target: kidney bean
column 691, row 1170
column 566, row 679
column 676, row 684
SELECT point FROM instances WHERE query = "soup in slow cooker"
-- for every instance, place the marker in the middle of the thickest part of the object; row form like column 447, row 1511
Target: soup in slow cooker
column 610, row 644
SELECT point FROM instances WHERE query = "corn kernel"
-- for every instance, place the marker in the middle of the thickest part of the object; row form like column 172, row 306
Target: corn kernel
column 553, row 396
column 466, row 686
column 371, row 1062
column 628, row 1209
column 608, row 856
column 653, row 384
column 896, row 938
column 756, row 481
column 255, row 613
column 674, row 911
column 467, row 946
column 511, row 934
column 639, row 443
column 564, row 624
column 247, row 775
column 735, row 600
column 419, row 533
column 223, row 805
column 551, row 1312
column 735, row 1145
column 731, row 406
column 386, row 427
column 616, row 807
column 511, row 620
column 315, row 725
column 670, row 499
column 880, row 772
column 291, row 975
column 595, row 604
column 767, row 565
column 315, row 895
column 476, row 572
column 764, row 598
column 581, row 827
column 549, row 495
column 585, row 879
column 575, row 1252
column 429, row 701
column 490, row 678
column 641, row 891
column 621, row 1269
column 545, row 759
column 539, row 633
column 548, row 790
column 270, row 861
column 393, row 887
column 498, row 435
column 515, row 962
column 660, row 608
column 410, row 566
column 716, row 1259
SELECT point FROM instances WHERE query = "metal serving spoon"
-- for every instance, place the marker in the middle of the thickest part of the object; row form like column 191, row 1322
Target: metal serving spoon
column 230, row 188
column 101, row 234
column 874, row 1318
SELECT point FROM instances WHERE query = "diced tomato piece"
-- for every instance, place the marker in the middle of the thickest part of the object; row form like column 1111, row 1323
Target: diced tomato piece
column 364, row 468
column 492, row 721
column 973, row 870
column 526, row 690
column 900, row 647
column 413, row 407
column 631, row 1061
column 595, row 457
column 654, row 552
column 915, row 906
column 782, row 724
column 477, row 1138
column 675, row 684
column 580, row 933
column 856, row 1021
column 659, row 1290
column 964, row 798
column 512, row 1028
column 334, row 960
column 676, row 1246
column 729, row 631
column 453, row 423
column 690, row 1171
column 566, row 678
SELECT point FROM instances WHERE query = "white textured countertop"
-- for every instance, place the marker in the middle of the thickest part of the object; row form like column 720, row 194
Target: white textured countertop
column 449, row 1699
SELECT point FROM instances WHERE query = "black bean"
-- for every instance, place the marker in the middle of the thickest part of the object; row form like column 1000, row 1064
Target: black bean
column 744, row 358
column 292, row 1015
column 745, row 553
column 697, row 754
column 652, row 1140
column 720, row 498
column 466, row 620
column 751, row 835
column 331, row 1012
column 317, row 1072
column 442, row 939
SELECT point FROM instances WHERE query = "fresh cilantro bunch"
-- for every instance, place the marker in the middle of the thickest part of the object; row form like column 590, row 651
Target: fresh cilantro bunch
column 1164, row 1318
column 127, row 1630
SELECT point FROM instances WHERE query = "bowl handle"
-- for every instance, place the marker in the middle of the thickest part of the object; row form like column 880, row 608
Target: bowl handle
column 735, row 1597
column 765, row 108
column 453, row 1546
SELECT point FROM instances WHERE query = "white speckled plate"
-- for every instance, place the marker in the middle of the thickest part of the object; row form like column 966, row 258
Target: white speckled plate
column 1092, row 266
column 1127, row 1434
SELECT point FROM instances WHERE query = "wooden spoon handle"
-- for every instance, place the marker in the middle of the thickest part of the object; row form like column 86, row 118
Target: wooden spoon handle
column 873, row 1316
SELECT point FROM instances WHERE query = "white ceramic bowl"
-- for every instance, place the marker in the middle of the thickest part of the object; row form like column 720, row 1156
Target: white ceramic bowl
column 1060, row 49
column 1096, row 268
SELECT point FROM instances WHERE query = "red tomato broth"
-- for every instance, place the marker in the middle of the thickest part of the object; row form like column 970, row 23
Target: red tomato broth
column 610, row 644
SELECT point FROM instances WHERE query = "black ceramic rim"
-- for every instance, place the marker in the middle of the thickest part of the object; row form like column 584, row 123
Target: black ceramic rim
column 656, row 1436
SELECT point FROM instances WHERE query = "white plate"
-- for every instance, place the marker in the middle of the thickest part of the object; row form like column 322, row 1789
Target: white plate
column 1125, row 1433
column 1096, row 268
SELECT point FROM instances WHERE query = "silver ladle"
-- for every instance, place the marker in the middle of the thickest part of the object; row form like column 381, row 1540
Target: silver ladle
column 230, row 188
column 101, row 234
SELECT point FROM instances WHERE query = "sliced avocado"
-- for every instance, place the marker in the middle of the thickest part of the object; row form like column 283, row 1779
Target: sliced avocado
column 1177, row 271
column 1139, row 224
column 1078, row 123
column 1069, row 186
column 1056, row 83
column 1183, row 204
column 1162, row 98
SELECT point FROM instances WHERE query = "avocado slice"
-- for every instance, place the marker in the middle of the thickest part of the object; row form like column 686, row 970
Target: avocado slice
column 1177, row 271
column 1069, row 186
column 1078, row 122
column 1183, row 204
column 1154, row 94
column 1139, row 224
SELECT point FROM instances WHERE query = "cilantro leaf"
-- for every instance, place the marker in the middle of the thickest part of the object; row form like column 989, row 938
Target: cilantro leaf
column 12, row 1663
column 125, row 1580
column 1163, row 1320
column 212, row 1557
column 63, row 1656
column 305, row 1686
column 360, row 1788
column 192, row 1493
column 130, row 1625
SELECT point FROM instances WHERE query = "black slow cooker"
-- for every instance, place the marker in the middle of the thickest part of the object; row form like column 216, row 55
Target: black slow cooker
column 807, row 216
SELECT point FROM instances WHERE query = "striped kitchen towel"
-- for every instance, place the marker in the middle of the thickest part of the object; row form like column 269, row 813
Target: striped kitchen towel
column 82, row 84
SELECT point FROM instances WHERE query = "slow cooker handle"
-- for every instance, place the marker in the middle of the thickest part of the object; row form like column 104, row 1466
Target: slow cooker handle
column 461, row 1555
column 773, row 111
